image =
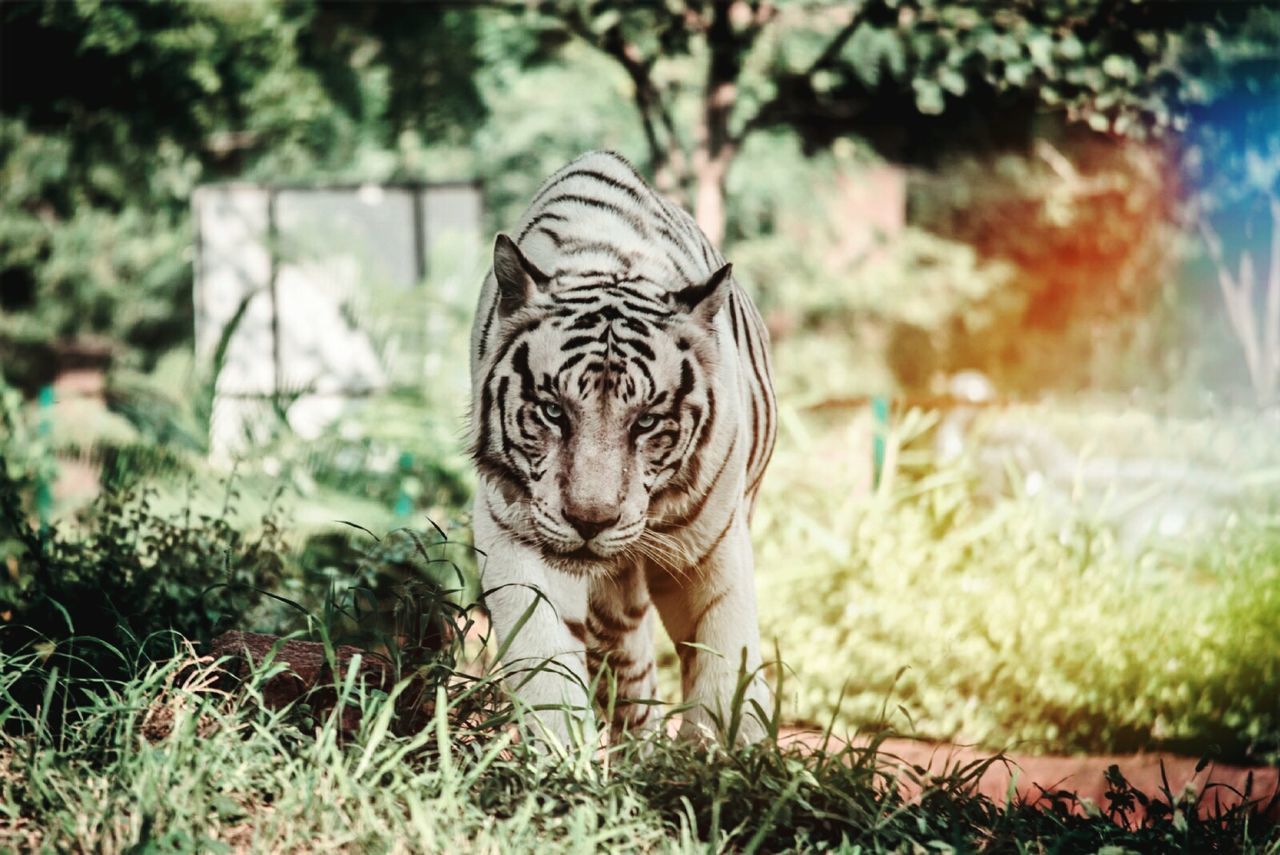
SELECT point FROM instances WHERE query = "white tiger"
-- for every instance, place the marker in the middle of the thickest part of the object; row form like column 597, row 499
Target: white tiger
column 622, row 418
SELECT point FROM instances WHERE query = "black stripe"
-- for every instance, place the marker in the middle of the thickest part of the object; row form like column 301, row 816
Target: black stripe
column 520, row 364
column 544, row 215
column 685, row 387
column 591, row 274
column 609, row 181
column 763, row 392
column 488, row 322
column 638, row 345
column 485, row 436
column 715, row 600
column 569, row 363
column 515, row 336
column 715, row 544
column 668, row 211
column 764, row 375
column 648, row 375
column 619, row 660
column 637, row 326
column 617, row 211
column 734, row 312
column 573, row 246
column 656, row 311
column 519, row 535
column 610, row 623
column 632, row 679
column 503, row 385
column 636, row 612
column 556, row 238
column 691, row 515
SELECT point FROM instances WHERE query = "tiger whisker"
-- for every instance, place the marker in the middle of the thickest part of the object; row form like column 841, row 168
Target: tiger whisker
column 668, row 552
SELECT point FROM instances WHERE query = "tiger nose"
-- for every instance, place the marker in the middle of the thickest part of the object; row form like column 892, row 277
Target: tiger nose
column 589, row 522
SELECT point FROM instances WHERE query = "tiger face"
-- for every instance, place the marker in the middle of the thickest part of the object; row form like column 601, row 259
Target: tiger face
column 594, row 403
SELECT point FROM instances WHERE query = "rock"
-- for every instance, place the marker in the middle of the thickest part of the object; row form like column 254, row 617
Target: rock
column 308, row 675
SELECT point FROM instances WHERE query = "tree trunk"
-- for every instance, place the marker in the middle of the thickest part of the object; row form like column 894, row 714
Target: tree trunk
column 710, row 174
column 714, row 146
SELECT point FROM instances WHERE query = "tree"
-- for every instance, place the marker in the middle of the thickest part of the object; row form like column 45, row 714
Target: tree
column 112, row 113
column 904, row 74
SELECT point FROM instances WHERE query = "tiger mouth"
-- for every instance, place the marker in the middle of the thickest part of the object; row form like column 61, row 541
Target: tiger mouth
column 582, row 553
column 579, row 562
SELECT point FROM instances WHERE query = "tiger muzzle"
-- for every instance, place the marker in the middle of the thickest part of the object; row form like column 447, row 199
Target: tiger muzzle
column 590, row 523
column 592, row 495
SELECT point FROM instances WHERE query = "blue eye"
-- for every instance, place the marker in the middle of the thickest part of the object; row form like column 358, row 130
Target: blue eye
column 551, row 410
column 646, row 421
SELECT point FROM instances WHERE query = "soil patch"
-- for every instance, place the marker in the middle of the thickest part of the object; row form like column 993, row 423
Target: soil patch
column 1223, row 786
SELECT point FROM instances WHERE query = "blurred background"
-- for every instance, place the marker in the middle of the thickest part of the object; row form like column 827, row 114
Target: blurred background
column 1020, row 262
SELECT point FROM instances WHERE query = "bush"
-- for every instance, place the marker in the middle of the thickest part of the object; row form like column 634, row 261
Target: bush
column 996, row 621
column 128, row 578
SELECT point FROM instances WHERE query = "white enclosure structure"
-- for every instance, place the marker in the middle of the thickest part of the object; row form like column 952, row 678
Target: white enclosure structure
column 286, row 280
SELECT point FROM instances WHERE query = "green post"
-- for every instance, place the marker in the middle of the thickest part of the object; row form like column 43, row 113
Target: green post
column 879, row 433
column 404, row 502
column 44, row 431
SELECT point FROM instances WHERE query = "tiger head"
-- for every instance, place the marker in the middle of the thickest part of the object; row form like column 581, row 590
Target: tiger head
column 594, row 403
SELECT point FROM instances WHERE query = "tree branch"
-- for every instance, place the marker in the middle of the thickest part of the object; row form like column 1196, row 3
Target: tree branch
column 1237, row 294
column 646, row 95
column 829, row 55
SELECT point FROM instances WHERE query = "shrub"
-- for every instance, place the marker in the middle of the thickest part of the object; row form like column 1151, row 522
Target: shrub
column 999, row 621
column 127, row 578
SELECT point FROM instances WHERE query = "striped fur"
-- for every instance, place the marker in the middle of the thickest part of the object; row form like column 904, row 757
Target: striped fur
column 622, row 419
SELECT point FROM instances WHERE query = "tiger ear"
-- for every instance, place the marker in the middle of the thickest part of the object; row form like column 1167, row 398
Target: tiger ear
column 519, row 281
column 702, row 302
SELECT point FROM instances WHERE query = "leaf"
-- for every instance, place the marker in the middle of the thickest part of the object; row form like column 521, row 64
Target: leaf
column 606, row 20
column 1040, row 46
column 1070, row 48
column 1119, row 67
column 1018, row 73
column 953, row 81
column 929, row 98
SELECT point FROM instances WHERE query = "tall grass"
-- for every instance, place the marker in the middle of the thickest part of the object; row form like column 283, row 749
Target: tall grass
column 176, row 758
column 1002, row 621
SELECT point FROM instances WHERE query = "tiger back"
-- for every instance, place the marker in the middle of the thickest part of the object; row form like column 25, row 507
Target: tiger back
column 622, row 420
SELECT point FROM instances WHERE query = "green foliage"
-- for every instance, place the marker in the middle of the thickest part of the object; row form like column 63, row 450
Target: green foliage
column 1047, row 269
column 1009, row 622
column 922, row 301
column 26, row 460
column 1083, row 231
column 99, row 163
column 902, row 74
column 165, row 759
column 533, row 129
column 128, row 578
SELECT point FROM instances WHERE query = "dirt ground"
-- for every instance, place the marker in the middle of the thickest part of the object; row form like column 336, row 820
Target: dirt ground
column 1086, row 775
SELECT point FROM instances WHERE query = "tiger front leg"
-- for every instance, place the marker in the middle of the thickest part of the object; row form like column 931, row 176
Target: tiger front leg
column 535, row 611
column 714, row 625
column 620, row 652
